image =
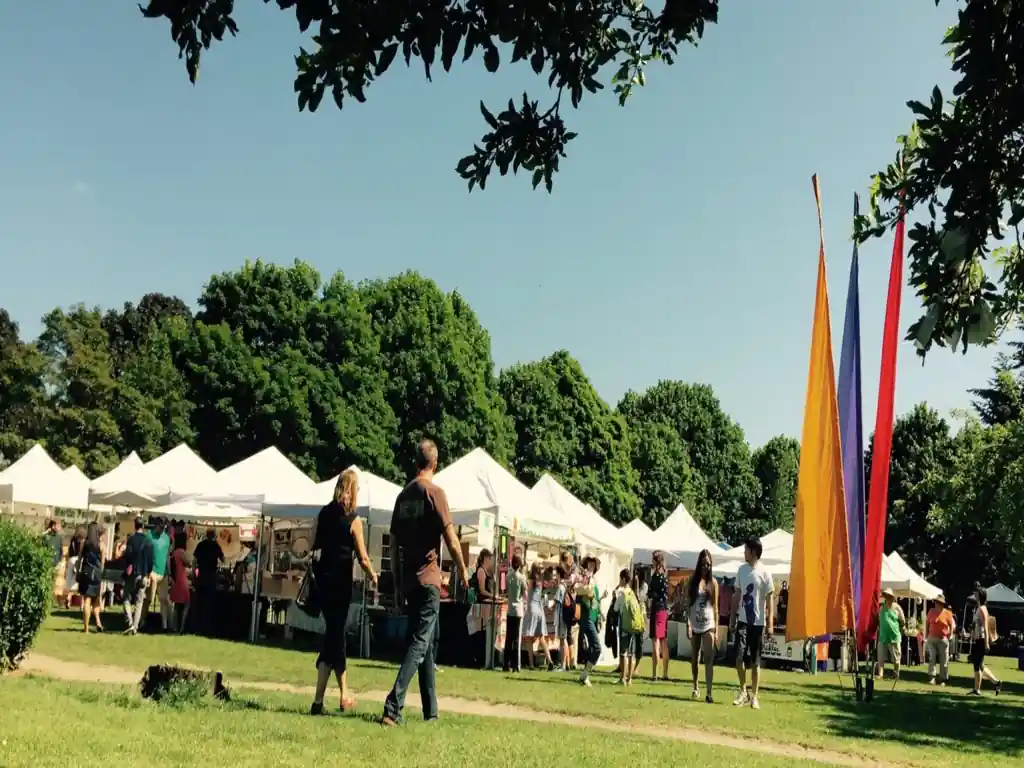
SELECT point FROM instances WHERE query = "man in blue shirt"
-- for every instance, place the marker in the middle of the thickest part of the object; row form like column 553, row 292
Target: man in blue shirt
column 138, row 559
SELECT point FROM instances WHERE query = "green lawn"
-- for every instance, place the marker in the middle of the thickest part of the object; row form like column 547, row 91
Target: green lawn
column 914, row 724
column 62, row 724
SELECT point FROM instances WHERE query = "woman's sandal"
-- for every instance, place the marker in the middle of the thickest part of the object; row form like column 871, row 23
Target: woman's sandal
column 348, row 704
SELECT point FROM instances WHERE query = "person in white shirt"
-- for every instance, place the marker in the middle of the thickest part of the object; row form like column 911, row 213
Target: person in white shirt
column 752, row 615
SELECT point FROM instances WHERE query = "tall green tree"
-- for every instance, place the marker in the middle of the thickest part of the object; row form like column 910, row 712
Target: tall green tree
column 664, row 476
column 153, row 407
column 777, row 468
column 563, row 427
column 977, row 511
column 305, row 364
column 574, row 47
column 24, row 409
column 1001, row 401
column 923, row 455
column 129, row 328
column 440, row 374
column 716, row 450
column 83, row 429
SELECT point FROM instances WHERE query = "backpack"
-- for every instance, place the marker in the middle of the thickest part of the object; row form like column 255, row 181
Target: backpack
column 633, row 617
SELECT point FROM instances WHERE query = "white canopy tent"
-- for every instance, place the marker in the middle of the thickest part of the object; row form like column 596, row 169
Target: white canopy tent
column 208, row 513
column 376, row 500
column 636, row 535
column 681, row 533
column 917, row 586
column 127, row 485
column 266, row 477
column 181, row 472
column 477, row 483
column 36, row 478
column 1002, row 595
column 590, row 527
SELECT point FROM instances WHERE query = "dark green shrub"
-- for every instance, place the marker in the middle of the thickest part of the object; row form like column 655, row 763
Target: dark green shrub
column 26, row 585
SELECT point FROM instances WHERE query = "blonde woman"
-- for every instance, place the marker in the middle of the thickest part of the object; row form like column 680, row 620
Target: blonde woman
column 338, row 541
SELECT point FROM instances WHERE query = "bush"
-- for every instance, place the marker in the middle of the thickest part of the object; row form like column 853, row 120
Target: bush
column 26, row 585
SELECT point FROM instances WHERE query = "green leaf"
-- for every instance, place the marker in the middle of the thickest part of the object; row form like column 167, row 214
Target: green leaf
column 491, row 120
column 387, row 56
column 491, row 59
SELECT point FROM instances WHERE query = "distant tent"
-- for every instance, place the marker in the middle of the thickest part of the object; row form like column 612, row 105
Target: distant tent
column 1002, row 595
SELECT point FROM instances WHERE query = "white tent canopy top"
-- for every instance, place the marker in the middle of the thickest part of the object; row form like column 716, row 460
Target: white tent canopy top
column 127, row 485
column 637, row 535
column 36, row 478
column 477, row 483
column 376, row 500
column 777, row 545
column 681, row 533
column 586, row 521
column 1000, row 594
column 266, row 477
column 181, row 471
column 211, row 514
column 917, row 586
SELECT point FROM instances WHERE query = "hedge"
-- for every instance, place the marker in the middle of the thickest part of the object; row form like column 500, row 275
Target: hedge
column 26, row 586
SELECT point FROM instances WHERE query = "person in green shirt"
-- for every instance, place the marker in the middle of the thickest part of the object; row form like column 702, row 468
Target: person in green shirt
column 589, row 597
column 891, row 626
column 158, row 577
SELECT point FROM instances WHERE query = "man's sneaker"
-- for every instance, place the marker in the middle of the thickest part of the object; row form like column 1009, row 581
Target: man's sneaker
column 932, row 681
column 586, row 681
column 708, row 699
column 754, row 703
column 742, row 700
column 695, row 694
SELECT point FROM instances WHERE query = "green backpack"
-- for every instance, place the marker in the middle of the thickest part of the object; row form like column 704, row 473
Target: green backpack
column 634, row 617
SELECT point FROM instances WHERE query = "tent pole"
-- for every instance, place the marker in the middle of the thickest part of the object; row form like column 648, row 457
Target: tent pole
column 254, row 619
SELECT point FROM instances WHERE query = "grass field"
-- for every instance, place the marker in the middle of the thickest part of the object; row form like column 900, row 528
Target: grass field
column 108, row 726
column 915, row 723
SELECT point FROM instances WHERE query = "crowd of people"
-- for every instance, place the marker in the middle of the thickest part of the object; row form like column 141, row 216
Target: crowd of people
column 157, row 569
column 155, row 566
column 638, row 609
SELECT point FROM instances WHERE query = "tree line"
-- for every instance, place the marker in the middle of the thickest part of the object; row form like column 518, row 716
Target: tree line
column 335, row 373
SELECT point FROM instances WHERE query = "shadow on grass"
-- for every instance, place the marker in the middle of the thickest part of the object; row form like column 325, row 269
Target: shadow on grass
column 947, row 720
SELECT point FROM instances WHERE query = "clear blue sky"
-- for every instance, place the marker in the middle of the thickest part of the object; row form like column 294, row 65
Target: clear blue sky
column 680, row 241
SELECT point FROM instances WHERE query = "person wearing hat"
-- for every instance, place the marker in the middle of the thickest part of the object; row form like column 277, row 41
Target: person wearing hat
column 891, row 626
column 941, row 627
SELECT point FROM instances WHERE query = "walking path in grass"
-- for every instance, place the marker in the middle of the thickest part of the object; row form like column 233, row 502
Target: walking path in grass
column 69, row 671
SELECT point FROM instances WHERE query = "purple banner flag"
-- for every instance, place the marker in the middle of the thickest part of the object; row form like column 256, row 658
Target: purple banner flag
column 851, row 423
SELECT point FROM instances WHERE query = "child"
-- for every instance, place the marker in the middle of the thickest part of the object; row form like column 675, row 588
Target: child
column 632, row 623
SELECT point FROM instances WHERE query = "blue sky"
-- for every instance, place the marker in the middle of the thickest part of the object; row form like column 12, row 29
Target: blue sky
column 680, row 241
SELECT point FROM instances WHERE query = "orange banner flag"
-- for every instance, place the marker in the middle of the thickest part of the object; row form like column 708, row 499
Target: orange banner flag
column 820, row 581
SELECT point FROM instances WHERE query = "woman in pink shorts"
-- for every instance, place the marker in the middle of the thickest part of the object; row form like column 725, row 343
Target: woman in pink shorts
column 657, row 595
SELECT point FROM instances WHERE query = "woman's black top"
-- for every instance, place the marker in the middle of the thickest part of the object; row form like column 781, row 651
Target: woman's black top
column 74, row 547
column 336, row 545
column 657, row 592
column 488, row 582
column 91, row 558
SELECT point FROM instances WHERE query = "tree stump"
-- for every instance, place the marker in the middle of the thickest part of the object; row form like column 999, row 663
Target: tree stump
column 159, row 679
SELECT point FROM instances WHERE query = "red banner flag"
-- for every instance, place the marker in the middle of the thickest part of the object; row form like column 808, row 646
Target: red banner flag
column 878, row 489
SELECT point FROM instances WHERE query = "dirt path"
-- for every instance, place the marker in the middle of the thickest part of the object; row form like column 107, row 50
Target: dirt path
column 70, row 671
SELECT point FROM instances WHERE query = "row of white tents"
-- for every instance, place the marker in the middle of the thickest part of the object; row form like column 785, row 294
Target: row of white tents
column 180, row 485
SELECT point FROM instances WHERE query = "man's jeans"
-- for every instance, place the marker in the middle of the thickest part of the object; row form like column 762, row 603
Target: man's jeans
column 422, row 609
